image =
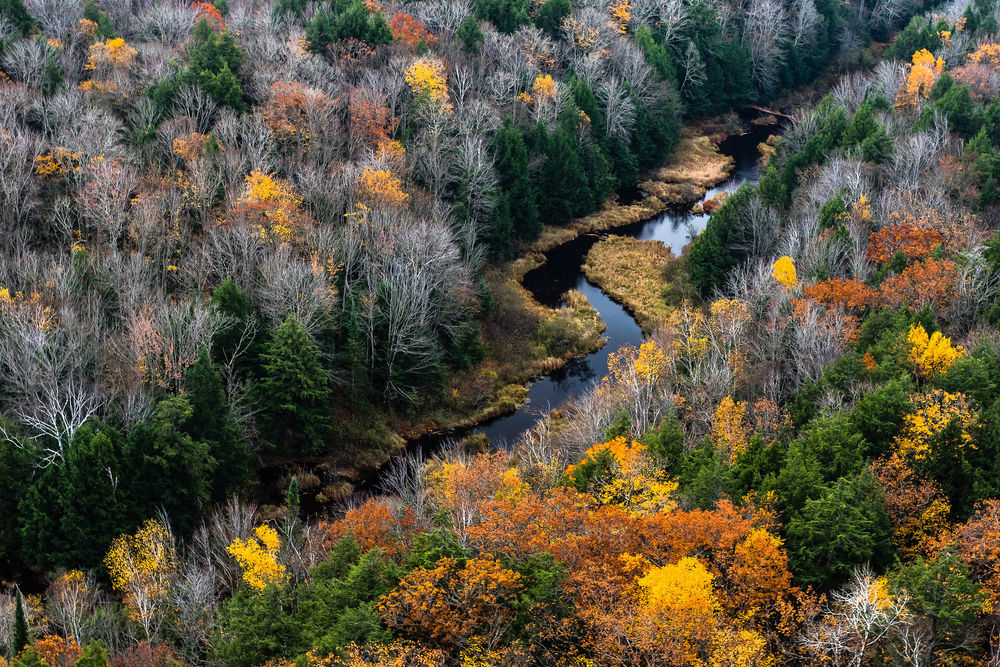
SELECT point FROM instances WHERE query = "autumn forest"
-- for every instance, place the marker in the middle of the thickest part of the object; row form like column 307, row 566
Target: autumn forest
column 269, row 276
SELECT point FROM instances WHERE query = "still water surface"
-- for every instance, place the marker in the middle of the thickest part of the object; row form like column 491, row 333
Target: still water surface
column 562, row 272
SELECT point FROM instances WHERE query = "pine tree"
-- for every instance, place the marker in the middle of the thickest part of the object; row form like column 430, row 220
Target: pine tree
column 95, row 654
column 20, row 624
column 511, row 161
column 211, row 423
column 293, row 392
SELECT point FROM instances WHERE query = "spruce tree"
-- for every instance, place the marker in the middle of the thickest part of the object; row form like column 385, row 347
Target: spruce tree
column 20, row 624
column 211, row 422
column 293, row 392
column 510, row 156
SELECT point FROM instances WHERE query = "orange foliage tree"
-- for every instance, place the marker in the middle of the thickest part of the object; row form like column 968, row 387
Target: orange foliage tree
column 979, row 546
column 450, row 604
column 288, row 109
column 58, row 651
column 931, row 281
column 375, row 525
column 407, row 29
column 210, row 13
column 917, row 507
column 914, row 242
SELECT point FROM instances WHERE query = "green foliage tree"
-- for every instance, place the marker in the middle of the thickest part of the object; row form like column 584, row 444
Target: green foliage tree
column 293, row 392
column 213, row 63
column 211, row 422
column 845, row 527
column 95, row 654
column 470, row 35
column 105, row 28
column 167, row 467
column 551, row 15
column 941, row 591
column 716, row 251
column 17, row 13
column 506, row 15
column 516, row 197
column 20, row 638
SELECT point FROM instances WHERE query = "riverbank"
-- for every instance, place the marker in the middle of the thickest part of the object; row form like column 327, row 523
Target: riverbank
column 524, row 340
column 644, row 276
column 695, row 165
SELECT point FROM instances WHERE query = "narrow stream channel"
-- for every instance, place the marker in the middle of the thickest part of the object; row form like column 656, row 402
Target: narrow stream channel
column 562, row 272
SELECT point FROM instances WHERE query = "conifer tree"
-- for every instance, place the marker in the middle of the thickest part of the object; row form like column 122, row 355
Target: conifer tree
column 20, row 624
column 293, row 391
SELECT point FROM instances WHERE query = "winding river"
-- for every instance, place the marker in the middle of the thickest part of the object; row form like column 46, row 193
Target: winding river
column 562, row 271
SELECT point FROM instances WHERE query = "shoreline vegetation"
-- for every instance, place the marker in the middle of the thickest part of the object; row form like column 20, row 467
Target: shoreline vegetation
column 695, row 166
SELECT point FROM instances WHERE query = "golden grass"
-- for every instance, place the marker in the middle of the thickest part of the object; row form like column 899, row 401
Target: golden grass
column 610, row 216
column 641, row 275
column 697, row 161
column 631, row 271
column 519, row 335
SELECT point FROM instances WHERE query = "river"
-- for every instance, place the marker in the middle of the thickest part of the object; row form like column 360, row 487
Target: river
column 562, row 272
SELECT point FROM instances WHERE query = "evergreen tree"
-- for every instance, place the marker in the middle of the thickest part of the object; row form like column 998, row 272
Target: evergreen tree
column 717, row 250
column 516, row 197
column 293, row 391
column 506, row 15
column 94, row 506
column 551, row 15
column 95, row 654
column 105, row 29
column 469, row 35
column 17, row 13
column 845, row 527
column 563, row 182
column 167, row 468
column 213, row 64
column 237, row 337
column 21, row 638
column 211, row 423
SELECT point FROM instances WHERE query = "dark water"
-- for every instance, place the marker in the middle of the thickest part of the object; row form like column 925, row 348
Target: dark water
column 561, row 272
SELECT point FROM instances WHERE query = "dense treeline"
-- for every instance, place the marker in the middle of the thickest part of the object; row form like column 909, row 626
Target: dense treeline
column 243, row 233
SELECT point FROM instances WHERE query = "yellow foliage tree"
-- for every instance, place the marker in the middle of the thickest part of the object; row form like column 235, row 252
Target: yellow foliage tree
column 273, row 207
column 924, row 71
column 988, row 54
column 426, row 77
column 621, row 14
column 379, row 185
column 258, row 557
column 113, row 52
column 730, row 428
column 635, row 483
column 932, row 413
column 931, row 354
column 141, row 567
column 679, row 600
column 784, row 271
column 544, row 88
